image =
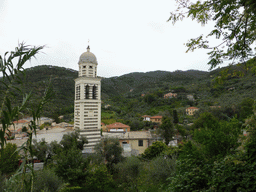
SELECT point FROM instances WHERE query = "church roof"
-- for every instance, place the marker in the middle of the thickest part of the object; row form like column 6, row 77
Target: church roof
column 88, row 57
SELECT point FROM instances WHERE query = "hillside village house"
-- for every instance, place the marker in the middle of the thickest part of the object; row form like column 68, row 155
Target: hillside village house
column 17, row 125
column 170, row 95
column 118, row 127
column 156, row 119
column 135, row 142
column 41, row 120
column 191, row 110
column 146, row 118
column 190, row 98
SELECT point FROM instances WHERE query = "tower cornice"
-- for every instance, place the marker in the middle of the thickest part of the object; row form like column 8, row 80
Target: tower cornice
column 88, row 78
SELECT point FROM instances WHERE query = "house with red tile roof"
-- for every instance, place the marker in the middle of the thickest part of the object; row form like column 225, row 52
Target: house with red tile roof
column 146, row 117
column 19, row 124
column 156, row 119
column 170, row 95
column 191, row 110
column 118, row 127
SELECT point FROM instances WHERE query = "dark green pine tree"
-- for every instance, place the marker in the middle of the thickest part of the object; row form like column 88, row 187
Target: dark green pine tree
column 175, row 117
column 167, row 129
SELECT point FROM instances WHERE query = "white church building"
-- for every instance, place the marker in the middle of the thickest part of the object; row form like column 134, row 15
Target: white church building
column 87, row 106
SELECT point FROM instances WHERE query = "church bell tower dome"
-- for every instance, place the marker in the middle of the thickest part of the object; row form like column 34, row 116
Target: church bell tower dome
column 87, row 64
column 87, row 57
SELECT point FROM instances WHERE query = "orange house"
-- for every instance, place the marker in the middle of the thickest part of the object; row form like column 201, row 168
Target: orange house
column 156, row 119
column 191, row 110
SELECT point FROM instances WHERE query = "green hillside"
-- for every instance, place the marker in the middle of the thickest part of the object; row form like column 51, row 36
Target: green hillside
column 62, row 79
column 123, row 93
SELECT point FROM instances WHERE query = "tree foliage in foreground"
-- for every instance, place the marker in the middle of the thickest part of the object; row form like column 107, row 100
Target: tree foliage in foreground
column 12, row 71
column 9, row 158
column 127, row 173
column 71, row 166
column 235, row 25
column 197, row 159
column 154, row 150
column 109, row 151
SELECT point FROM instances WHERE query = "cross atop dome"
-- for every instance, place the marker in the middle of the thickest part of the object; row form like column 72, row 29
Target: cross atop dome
column 88, row 48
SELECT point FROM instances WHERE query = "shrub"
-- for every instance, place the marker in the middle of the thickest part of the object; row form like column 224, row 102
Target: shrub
column 99, row 179
column 9, row 159
column 44, row 180
column 160, row 168
column 128, row 173
column 71, row 166
column 47, row 180
column 154, row 150
column 2, row 182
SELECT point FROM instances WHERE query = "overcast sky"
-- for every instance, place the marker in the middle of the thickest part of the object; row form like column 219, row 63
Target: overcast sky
column 126, row 36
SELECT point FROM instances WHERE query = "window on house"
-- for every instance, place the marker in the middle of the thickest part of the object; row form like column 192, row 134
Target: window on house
column 140, row 143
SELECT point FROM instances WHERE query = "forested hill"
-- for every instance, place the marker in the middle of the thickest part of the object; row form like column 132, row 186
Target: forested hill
column 139, row 83
column 133, row 85
column 62, row 79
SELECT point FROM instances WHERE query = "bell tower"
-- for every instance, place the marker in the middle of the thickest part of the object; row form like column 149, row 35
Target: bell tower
column 87, row 105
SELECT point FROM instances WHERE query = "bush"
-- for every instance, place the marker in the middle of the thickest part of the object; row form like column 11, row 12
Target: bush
column 99, row 179
column 47, row 180
column 71, row 166
column 9, row 159
column 231, row 174
column 160, row 168
column 154, row 150
column 2, row 182
column 128, row 173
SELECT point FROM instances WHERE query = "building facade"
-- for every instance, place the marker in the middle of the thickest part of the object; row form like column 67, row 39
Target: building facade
column 191, row 110
column 156, row 119
column 118, row 127
column 87, row 106
column 136, row 141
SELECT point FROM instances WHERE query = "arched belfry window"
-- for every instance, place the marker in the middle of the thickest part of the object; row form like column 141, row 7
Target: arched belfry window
column 94, row 92
column 86, row 92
